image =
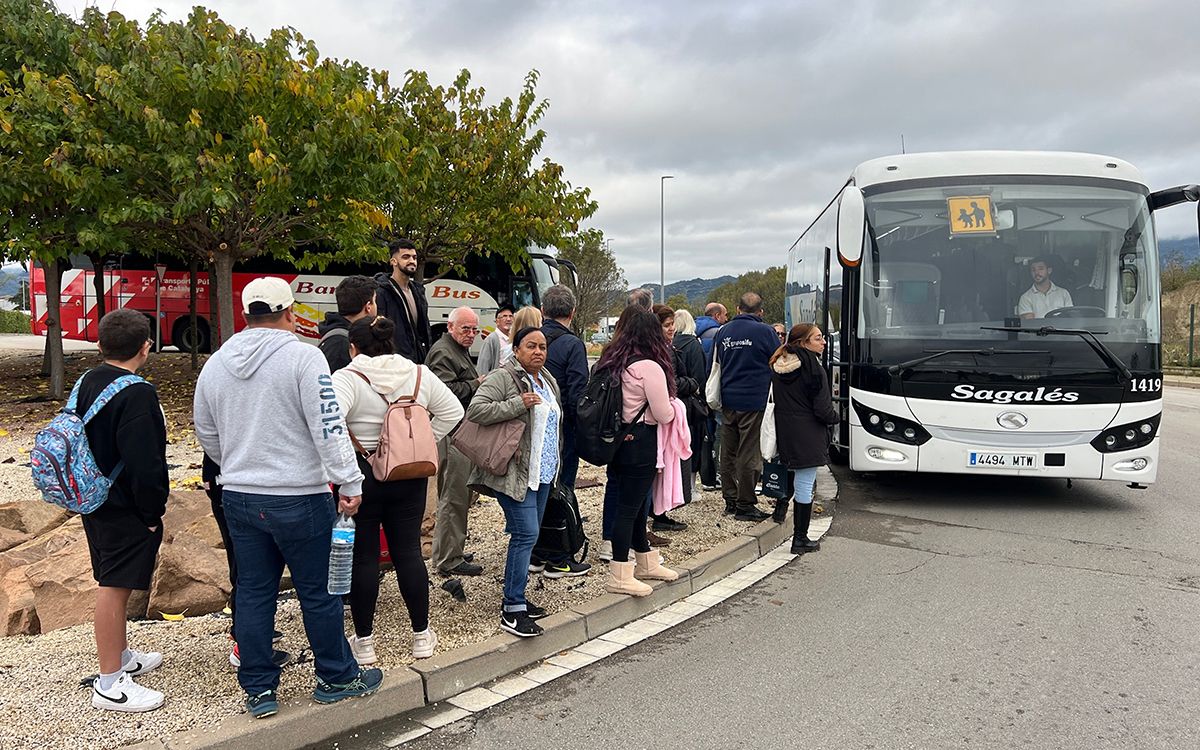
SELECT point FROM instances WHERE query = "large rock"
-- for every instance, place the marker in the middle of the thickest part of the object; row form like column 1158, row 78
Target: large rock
column 33, row 517
column 64, row 591
column 10, row 538
column 191, row 576
column 17, row 613
column 183, row 510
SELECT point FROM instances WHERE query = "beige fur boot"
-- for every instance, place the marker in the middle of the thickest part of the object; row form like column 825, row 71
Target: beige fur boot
column 621, row 580
column 649, row 567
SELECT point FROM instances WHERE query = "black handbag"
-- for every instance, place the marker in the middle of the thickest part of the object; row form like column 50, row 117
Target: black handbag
column 708, row 462
column 776, row 480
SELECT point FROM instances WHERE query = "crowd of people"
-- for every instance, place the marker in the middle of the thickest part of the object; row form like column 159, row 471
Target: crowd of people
column 292, row 435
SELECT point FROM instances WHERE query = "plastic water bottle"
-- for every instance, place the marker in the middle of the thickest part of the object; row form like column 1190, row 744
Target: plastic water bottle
column 341, row 555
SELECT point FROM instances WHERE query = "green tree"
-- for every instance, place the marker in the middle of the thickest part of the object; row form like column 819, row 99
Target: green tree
column 769, row 284
column 248, row 148
column 601, row 282
column 473, row 184
column 50, row 206
column 678, row 301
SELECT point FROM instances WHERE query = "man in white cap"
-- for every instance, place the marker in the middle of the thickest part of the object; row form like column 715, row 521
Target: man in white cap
column 266, row 413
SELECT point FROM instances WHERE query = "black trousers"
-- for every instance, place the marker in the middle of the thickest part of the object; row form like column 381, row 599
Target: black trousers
column 633, row 470
column 398, row 508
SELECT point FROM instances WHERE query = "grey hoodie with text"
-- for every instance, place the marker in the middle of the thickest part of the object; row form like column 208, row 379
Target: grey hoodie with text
column 266, row 412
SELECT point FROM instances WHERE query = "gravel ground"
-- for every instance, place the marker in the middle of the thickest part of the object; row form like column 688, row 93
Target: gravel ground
column 44, row 706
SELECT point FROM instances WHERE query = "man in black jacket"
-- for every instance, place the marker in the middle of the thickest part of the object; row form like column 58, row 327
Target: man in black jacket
column 355, row 297
column 401, row 300
column 125, row 532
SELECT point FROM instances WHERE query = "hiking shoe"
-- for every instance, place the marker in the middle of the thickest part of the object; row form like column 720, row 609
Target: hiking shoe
column 568, row 569
column 278, row 658
column 604, row 551
column 536, row 565
column 424, row 643
column 363, row 649
column 276, row 636
column 666, row 523
column 262, row 705
column 534, row 611
column 141, row 662
column 519, row 624
column 751, row 514
column 367, row 682
column 126, row 696
column 464, row 568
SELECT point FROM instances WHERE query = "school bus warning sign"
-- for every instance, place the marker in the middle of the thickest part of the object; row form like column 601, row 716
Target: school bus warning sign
column 971, row 214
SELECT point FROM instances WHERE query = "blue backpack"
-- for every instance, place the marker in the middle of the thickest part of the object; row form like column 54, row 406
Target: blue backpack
column 63, row 466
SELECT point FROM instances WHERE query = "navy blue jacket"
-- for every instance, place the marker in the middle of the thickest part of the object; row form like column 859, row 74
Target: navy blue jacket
column 744, row 347
column 706, row 331
column 566, row 359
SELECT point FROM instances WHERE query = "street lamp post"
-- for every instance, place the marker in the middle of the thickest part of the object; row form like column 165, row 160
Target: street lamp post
column 662, row 239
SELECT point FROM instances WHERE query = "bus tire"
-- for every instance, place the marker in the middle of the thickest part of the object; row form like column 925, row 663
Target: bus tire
column 181, row 335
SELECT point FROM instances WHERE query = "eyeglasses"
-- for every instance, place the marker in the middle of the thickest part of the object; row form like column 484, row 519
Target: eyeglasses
column 469, row 329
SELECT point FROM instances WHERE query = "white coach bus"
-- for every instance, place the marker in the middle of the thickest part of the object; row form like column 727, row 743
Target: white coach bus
column 990, row 312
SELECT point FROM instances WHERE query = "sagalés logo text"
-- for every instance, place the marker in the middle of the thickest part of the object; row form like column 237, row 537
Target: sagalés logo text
column 1040, row 395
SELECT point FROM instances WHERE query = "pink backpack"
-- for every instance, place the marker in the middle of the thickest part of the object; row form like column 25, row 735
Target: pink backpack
column 407, row 449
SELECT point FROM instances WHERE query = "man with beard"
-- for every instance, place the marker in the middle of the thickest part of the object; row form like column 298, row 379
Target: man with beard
column 401, row 299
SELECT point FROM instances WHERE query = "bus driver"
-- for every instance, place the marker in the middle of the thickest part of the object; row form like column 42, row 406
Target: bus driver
column 1043, row 296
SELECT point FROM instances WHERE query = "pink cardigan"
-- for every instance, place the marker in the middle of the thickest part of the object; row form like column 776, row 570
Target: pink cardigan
column 674, row 446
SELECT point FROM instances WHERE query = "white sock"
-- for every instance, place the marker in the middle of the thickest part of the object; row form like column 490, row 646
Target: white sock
column 126, row 655
column 106, row 681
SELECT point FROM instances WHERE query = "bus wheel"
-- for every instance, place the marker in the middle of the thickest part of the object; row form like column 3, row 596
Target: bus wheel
column 181, row 336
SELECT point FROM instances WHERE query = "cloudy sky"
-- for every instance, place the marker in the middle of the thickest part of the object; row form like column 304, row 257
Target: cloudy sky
column 760, row 109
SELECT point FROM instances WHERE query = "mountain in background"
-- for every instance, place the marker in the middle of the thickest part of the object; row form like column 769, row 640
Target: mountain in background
column 10, row 280
column 696, row 290
column 1185, row 249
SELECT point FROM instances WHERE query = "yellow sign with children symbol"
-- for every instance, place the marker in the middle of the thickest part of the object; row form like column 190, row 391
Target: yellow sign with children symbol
column 971, row 214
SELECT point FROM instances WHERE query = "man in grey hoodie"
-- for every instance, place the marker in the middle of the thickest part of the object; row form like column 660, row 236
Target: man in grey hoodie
column 265, row 411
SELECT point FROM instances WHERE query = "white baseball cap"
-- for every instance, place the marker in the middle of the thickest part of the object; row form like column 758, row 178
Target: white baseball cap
column 266, row 295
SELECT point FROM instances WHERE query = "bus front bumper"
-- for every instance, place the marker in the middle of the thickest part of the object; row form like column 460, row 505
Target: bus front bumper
column 939, row 454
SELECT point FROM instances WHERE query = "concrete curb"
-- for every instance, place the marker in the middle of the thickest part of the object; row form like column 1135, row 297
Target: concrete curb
column 447, row 675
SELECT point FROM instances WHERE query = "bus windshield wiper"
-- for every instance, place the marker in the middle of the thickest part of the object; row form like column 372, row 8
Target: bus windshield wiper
column 922, row 360
column 1112, row 360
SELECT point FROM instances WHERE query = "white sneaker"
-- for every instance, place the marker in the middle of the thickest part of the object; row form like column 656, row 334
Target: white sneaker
column 125, row 695
column 605, row 550
column 424, row 643
column 141, row 662
column 364, row 649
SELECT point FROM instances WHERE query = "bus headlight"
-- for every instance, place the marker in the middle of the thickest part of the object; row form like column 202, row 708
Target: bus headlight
column 1127, row 436
column 890, row 427
column 1131, row 464
column 891, row 455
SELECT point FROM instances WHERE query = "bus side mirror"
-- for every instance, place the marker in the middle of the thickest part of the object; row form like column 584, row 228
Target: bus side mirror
column 851, row 220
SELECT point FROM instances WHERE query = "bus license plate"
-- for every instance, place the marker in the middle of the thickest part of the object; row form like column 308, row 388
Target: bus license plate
column 1001, row 460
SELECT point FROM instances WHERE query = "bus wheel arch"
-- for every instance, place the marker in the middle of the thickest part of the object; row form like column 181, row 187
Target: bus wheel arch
column 182, row 332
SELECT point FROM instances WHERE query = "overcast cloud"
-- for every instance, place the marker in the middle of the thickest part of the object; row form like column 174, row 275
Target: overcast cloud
column 761, row 109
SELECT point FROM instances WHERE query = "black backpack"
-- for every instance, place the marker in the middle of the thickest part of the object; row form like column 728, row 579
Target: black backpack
column 598, row 426
column 562, row 528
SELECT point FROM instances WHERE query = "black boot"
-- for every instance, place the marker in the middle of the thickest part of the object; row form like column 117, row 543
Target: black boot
column 780, row 514
column 801, row 544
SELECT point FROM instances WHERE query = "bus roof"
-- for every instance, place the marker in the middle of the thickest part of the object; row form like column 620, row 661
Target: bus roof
column 903, row 167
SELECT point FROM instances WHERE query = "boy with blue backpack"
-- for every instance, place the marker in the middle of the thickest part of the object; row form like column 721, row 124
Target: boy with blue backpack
column 127, row 437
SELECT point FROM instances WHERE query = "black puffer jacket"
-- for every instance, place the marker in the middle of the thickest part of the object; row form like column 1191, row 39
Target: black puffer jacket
column 803, row 410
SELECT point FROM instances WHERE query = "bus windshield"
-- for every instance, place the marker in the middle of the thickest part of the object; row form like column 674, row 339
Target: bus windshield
column 952, row 260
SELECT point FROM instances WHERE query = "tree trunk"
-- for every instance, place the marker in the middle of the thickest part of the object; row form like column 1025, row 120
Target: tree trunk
column 54, row 347
column 224, row 265
column 46, row 357
column 98, row 284
column 193, row 281
column 213, row 317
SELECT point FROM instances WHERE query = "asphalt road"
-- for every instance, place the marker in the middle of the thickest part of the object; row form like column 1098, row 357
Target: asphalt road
column 941, row 612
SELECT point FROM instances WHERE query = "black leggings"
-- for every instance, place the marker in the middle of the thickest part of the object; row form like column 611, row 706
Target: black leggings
column 399, row 508
column 629, row 529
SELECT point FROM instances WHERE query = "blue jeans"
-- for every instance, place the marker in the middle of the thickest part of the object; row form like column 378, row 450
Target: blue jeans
column 522, row 522
column 802, row 484
column 269, row 531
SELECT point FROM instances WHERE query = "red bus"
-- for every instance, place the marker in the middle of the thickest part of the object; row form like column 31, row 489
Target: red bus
column 131, row 281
